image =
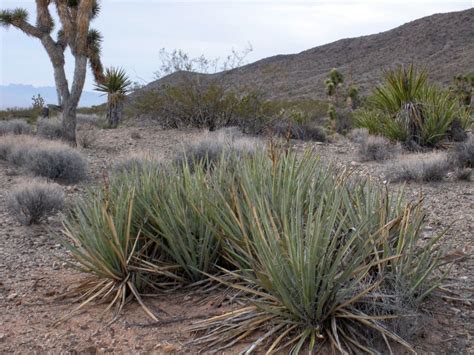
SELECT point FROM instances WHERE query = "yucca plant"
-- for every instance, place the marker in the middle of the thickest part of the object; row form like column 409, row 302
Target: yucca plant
column 407, row 108
column 173, row 202
column 311, row 249
column 116, row 85
column 104, row 235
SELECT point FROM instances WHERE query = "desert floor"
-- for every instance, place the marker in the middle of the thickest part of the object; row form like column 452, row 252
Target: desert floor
column 33, row 273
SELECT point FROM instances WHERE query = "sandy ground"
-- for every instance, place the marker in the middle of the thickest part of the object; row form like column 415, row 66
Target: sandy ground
column 32, row 274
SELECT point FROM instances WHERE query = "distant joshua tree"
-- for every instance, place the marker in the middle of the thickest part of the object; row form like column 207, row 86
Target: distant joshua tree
column 75, row 32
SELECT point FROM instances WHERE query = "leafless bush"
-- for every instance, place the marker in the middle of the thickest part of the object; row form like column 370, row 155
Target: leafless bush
column 375, row 148
column 49, row 128
column 33, row 201
column 91, row 120
column 16, row 126
column 86, row 135
column 301, row 131
column 419, row 167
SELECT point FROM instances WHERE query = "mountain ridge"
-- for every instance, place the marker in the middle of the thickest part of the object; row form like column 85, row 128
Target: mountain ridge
column 441, row 43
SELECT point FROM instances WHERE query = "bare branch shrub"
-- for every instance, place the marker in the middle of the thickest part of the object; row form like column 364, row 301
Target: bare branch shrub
column 419, row 167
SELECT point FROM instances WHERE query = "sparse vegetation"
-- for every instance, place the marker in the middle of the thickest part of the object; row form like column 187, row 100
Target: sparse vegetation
column 138, row 162
column 376, row 148
column 301, row 131
column 419, row 167
column 49, row 128
column 15, row 126
column 409, row 110
column 464, row 153
column 33, row 201
column 52, row 160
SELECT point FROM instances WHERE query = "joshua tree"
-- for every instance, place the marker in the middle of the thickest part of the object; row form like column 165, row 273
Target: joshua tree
column 84, row 43
column 116, row 85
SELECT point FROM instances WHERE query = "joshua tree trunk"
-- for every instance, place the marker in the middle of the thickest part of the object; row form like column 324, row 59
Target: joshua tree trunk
column 74, row 33
column 114, row 113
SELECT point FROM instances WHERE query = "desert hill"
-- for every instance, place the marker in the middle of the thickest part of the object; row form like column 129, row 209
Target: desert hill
column 442, row 43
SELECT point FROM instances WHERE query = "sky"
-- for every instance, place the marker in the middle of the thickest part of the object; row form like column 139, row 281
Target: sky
column 135, row 31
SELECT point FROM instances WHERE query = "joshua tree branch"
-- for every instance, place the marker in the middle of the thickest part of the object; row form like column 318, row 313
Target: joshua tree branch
column 44, row 21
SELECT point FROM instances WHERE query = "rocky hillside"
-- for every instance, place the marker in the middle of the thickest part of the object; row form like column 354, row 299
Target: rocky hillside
column 443, row 43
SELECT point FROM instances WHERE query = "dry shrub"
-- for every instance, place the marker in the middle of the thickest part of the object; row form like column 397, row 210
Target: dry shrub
column 464, row 153
column 33, row 201
column 53, row 160
column 16, row 126
column 359, row 135
column 86, row 135
column 419, row 167
column 376, row 148
column 49, row 128
column 209, row 148
column 464, row 174
column 301, row 131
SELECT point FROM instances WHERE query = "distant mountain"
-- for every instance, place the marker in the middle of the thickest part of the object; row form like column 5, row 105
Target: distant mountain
column 17, row 95
column 441, row 43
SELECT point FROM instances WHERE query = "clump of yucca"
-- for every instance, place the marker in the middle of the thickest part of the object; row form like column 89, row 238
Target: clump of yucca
column 406, row 108
column 315, row 255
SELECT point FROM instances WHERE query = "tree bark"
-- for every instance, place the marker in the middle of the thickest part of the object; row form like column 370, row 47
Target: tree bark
column 114, row 112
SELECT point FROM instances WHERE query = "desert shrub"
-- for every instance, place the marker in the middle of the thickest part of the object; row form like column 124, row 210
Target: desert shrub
column 408, row 109
column 33, row 201
column 301, row 131
column 52, row 160
column 30, row 115
column 57, row 162
column 359, row 135
column 15, row 126
column 464, row 174
column 49, row 128
column 376, row 148
column 419, row 167
column 86, row 135
column 208, row 150
column 463, row 154
column 91, row 120
column 315, row 255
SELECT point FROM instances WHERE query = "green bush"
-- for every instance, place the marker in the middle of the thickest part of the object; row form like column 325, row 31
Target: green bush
column 408, row 109
column 315, row 254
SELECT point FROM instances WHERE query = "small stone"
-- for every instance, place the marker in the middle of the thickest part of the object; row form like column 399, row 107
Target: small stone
column 3, row 336
column 12, row 296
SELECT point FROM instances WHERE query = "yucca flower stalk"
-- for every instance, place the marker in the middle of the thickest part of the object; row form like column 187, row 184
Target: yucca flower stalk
column 116, row 85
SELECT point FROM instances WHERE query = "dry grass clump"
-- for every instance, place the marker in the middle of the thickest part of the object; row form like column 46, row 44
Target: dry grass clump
column 49, row 128
column 209, row 148
column 419, row 167
column 464, row 174
column 376, row 148
column 301, row 131
column 16, row 126
column 86, row 135
column 33, row 201
column 53, row 160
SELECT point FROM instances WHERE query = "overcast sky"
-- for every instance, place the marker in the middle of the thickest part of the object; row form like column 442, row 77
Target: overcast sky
column 134, row 31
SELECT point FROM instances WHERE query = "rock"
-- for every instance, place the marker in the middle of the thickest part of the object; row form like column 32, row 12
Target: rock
column 12, row 296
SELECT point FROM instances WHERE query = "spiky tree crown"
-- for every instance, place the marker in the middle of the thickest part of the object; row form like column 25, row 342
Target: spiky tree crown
column 74, row 16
